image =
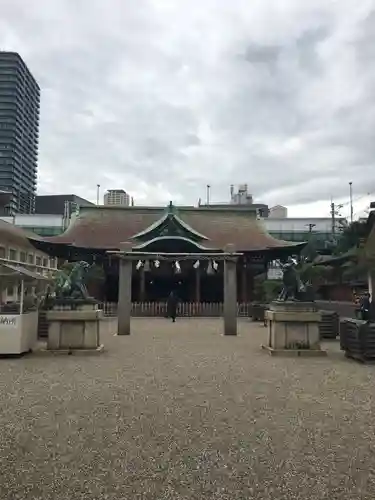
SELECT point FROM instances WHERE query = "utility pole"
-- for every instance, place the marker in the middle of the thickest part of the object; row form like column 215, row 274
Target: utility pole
column 97, row 193
column 208, row 194
column 351, row 201
column 310, row 226
column 333, row 217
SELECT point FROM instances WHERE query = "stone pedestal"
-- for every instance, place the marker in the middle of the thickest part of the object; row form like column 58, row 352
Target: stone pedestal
column 293, row 329
column 77, row 329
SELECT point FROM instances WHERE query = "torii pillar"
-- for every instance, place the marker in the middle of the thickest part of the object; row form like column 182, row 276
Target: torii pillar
column 124, row 294
column 230, row 293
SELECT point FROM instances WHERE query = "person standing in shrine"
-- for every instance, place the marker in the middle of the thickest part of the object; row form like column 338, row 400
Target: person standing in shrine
column 365, row 307
column 172, row 303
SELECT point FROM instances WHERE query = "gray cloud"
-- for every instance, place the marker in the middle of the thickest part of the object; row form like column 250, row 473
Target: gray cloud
column 161, row 98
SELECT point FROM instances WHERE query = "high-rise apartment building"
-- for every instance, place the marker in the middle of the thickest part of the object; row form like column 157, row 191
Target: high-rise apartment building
column 117, row 197
column 19, row 132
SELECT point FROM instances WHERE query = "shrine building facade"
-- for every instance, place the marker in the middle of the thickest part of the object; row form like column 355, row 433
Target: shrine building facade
column 98, row 231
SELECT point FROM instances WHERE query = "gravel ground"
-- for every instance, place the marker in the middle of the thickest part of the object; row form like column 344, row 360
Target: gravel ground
column 177, row 411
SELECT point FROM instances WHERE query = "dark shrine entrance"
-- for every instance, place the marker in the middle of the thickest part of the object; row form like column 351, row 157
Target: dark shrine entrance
column 152, row 281
column 159, row 287
column 192, row 281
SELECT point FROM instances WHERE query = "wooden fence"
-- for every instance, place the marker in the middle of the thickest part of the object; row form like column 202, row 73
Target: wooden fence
column 186, row 309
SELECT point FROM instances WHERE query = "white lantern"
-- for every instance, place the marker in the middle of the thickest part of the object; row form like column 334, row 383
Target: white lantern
column 157, row 264
column 177, row 267
column 196, row 264
column 215, row 265
column 139, row 265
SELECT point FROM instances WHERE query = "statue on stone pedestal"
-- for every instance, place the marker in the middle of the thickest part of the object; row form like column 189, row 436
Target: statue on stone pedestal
column 293, row 287
column 71, row 285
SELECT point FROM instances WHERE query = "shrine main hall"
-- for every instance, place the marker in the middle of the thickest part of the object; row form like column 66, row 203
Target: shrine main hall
column 98, row 234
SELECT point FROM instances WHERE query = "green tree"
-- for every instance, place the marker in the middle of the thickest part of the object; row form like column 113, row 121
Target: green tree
column 353, row 236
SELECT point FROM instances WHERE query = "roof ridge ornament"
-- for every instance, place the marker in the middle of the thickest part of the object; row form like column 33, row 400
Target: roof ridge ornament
column 171, row 208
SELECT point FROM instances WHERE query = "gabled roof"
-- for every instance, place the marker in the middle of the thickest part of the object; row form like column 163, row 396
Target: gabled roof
column 170, row 220
column 106, row 228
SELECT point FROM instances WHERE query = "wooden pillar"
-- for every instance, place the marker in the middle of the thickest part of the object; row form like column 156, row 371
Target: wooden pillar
column 230, row 297
column 197, row 285
column 142, row 285
column 124, row 297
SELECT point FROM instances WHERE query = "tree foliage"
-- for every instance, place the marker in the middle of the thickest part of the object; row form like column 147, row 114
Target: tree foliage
column 315, row 275
column 352, row 237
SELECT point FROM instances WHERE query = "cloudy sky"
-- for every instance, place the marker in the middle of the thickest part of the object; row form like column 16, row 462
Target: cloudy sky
column 162, row 97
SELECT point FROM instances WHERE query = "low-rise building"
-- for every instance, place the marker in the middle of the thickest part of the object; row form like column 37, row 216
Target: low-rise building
column 44, row 225
column 16, row 249
column 59, row 204
column 302, row 229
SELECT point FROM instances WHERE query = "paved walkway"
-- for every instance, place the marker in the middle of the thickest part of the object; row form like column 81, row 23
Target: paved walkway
column 177, row 411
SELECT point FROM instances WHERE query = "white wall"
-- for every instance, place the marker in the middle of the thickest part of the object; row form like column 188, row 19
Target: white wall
column 35, row 220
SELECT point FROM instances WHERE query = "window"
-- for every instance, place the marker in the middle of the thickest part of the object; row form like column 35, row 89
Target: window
column 12, row 254
column 38, row 260
column 52, row 262
column 22, row 256
column 30, row 258
column 45, row 262
column 10, row 291
column 2, row 253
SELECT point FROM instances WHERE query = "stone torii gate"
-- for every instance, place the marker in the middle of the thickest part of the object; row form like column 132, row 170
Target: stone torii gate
column 127, row 257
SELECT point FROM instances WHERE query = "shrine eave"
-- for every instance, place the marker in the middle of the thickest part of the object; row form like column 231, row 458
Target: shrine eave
column 64, row 250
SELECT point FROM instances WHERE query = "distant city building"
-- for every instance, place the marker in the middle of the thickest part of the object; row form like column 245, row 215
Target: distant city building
column 59, row 204
column 5, row 199
column 242, row 197
column 302, row 229
column 44, row 225
column 19, row 133
column 117, row 197
column 278, row 212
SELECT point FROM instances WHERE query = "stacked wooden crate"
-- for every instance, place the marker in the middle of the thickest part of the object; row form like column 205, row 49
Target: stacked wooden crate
column 329, row 327
column 357, row 339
